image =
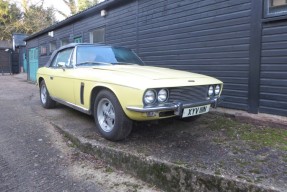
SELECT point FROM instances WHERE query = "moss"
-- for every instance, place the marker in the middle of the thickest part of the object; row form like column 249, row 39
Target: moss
column 270, row 137
column 255, row 171
column 237, row 150
column 134, row 186
column 242, row 163
column 109, row 170
column 223, row 124
column 178, row 162
column 217, row 172
column 256, row 136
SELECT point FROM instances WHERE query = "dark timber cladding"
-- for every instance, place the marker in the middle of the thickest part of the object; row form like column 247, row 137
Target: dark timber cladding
column 273, row 87
column 209, row 37
column 227, row 39
column 255, row 55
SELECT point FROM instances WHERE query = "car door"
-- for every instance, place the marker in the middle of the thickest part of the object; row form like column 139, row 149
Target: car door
column 62, row 78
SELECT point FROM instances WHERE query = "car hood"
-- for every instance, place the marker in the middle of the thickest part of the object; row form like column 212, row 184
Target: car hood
column 149, row 72
column 143, row 77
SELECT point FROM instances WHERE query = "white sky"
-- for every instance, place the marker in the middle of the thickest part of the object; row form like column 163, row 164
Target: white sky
column 57, row 4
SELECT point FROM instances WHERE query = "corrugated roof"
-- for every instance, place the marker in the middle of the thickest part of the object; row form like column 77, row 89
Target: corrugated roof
column 81, row 15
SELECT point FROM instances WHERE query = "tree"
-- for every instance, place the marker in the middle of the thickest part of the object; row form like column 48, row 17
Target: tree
column 76, row 6
column 9, row 14
column 32, row 19
column 36, row 18
column 84, row 4
column 72, row 7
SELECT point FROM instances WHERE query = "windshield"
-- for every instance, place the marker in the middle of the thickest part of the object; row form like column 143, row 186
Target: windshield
column 101, row 55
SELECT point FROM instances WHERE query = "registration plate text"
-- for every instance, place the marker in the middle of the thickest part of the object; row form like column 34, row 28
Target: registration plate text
column 188, row 112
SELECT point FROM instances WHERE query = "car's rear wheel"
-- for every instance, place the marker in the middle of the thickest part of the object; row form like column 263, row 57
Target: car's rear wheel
column 45, row 98
column 110, row 118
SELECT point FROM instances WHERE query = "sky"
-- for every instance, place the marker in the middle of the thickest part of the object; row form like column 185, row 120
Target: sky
column 57, row 4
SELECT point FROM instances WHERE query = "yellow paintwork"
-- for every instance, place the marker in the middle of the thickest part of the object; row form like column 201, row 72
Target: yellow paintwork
column 127, row 82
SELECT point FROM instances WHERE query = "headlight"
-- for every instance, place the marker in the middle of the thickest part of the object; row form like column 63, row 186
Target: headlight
column 210, row 90
column 149, row 97
column 162, row 95
column 217, row 89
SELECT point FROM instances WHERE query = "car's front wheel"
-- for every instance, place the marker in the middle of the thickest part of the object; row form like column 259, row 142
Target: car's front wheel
column 45, row 98
column 110, row 118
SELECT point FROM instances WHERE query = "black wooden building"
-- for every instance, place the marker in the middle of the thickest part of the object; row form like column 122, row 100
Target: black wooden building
column 242, row 42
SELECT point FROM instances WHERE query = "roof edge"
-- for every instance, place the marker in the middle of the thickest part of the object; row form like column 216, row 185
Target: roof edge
column 90, row 11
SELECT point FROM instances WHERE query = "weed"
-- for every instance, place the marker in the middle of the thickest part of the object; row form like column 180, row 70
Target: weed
column 217, row 172
column 109, row 170
column 267, row 137
column 178, row 162
column 255, row 171
column 242, row 163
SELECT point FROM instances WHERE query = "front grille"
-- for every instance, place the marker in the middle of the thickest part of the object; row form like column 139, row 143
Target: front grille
column 188, row 94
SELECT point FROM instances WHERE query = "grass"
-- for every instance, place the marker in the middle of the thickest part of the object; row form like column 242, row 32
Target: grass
column 257, row 136
column 268, row 137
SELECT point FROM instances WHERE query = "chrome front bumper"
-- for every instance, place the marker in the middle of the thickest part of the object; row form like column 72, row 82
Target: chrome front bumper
column 176, row 107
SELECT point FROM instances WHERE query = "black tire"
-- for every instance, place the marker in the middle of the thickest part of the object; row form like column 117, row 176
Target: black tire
column 111, row 121
column 45, row 98
column 190, row 119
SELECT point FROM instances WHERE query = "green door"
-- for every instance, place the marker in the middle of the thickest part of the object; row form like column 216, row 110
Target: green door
column 78, row 40
column 33, row 63
column 24, row 62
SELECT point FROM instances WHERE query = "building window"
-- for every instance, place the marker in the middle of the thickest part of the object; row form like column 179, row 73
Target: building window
column 78, row 40
column 43, row 50
column 97, row 36
column 65, row 41
column 276, row 7
column 52, row 46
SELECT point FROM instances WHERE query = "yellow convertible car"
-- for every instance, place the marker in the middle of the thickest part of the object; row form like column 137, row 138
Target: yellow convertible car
column 113, row 84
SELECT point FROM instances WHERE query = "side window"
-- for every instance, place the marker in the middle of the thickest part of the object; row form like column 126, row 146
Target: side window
column 275, row 8
column 63, row 58
column 52, row 46
column 43, row 50
column 65, row 41
column 97, row 36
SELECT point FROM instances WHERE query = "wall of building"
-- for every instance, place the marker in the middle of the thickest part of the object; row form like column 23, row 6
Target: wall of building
column 208, row 37
column 273, row 84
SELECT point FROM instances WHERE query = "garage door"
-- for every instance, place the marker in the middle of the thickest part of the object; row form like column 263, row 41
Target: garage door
column 5, row 66
column 33, row 63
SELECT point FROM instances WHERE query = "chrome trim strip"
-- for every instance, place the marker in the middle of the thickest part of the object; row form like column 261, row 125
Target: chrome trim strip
column 177, row 107
column 76, row 107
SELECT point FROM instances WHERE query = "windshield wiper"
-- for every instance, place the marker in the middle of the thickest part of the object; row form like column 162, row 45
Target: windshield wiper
column 92, row 63
column 124, row 63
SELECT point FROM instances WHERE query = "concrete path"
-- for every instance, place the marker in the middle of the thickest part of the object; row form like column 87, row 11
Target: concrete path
column 35, row 157
column 29, row 161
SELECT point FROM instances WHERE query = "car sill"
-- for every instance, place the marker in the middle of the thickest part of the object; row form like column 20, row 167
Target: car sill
column 76, row 107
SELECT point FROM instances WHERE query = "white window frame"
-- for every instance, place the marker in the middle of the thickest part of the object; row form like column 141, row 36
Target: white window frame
column 277, row 10
column 50, row 46
column 95, row 30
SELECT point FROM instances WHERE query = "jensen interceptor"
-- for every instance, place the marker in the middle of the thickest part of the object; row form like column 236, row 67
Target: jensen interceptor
column 115, row 86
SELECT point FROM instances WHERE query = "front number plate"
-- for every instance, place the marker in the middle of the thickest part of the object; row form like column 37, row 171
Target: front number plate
column 188, row 112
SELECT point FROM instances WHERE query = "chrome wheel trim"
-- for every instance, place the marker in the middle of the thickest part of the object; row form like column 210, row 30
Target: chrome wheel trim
column 43, row 94
column 106, row 115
